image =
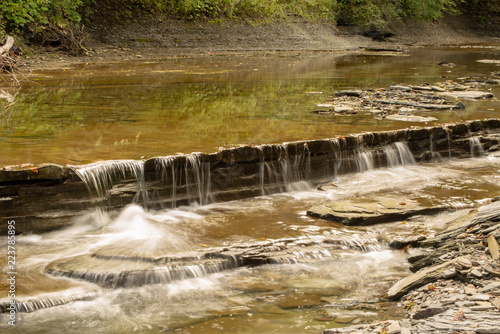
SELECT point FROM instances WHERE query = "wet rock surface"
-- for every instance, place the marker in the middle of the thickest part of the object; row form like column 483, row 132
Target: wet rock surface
column 99, row 267
column 229, row 174
column 454, row 291
column 407, row 103
column 373, row 210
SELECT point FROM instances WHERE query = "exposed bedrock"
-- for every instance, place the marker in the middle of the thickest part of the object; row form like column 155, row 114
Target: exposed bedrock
column 373, row 210
column 44, row 198
column 112, row 270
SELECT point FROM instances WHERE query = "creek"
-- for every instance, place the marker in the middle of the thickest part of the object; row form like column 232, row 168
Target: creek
column 181, row 268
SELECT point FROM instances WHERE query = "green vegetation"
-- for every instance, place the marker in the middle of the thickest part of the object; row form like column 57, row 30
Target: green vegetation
column 16, row 14
column 59, row 18
column 378, row 12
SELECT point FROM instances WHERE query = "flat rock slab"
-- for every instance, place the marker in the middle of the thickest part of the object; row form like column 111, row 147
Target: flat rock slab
column 372, row 210
column 410, row 118
column 471, row 94
column 419, row 279
column 33, row 172
column 489, row 61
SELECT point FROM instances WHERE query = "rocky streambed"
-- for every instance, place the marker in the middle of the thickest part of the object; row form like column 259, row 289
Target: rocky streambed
column 409, row 103
column 455, row 285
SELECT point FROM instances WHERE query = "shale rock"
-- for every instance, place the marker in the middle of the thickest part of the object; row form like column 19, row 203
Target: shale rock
column 401, row 102
column 457, row 286
column 472, row 95
column 419, row 279
column 372, row 210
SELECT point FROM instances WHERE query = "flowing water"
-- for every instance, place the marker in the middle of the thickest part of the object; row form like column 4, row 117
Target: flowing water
column 181, row 269
column 95, row 112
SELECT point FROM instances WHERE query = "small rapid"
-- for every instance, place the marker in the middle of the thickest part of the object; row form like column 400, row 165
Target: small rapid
column 237, row 259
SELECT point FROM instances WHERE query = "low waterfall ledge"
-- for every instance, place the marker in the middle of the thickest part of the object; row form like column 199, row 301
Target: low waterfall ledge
column 47, row 197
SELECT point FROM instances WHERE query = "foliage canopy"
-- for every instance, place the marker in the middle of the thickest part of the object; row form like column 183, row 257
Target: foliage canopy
column 17, row 15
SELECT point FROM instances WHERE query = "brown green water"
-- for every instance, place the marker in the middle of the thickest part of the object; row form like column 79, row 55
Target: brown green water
column 131, row 110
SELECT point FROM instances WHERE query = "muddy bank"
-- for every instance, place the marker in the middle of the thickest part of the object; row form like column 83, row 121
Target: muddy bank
column 162, row 37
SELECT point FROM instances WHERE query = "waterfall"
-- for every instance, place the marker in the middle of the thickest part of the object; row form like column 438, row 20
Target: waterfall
column 290, row 171
column 476, row 149
column 34, row 304
column 159, row 274
column 434, row 154
column 247, row 171
column 365, row 161
column 335, row 157
column 165, row 168
column 399, row 154
column 102, row 176
column 294, row 169
column 266, row 171
column 193, row 176
column 197, row 180
column 189, row 179
column 396, row 154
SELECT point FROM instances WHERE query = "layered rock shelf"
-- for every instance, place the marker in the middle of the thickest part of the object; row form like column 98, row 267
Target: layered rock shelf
column 408, row 103
column 373, row 210
column 100, row 267
column 455, row 287
column 47, row 197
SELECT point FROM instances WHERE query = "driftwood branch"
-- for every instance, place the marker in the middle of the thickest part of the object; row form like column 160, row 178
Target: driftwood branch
column 7, row 46
column 7, row 96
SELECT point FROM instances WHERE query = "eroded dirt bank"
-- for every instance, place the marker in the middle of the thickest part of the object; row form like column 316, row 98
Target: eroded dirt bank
column 154, row 38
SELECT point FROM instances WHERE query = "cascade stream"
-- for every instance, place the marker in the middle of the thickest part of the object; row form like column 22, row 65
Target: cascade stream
column 224, row 242
column 263, row 254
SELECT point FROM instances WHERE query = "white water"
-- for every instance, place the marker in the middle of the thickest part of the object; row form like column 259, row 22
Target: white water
column 244, row 299
column 101, row 176
column 476, row 149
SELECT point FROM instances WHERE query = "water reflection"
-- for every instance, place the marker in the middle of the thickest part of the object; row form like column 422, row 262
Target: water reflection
column 129, row 110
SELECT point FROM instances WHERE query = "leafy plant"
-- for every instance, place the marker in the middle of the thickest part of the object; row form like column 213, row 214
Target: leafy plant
column 379, row 12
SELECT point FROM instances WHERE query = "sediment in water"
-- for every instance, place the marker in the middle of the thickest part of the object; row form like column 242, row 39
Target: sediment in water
column 44, row 198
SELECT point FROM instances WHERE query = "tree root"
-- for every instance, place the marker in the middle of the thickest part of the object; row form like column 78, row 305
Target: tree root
column 69, row 39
